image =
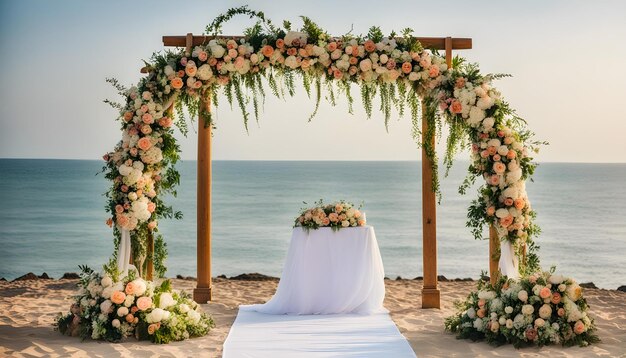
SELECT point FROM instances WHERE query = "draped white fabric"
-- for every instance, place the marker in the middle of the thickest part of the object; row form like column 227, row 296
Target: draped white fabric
column 508, row 260
column 329, row 272
column 123, row 252
column 315, row 336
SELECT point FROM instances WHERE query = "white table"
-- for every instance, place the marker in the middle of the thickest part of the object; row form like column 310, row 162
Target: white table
column 329, row 272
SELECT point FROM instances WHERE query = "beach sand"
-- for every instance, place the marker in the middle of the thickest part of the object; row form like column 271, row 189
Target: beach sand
column 28, row 309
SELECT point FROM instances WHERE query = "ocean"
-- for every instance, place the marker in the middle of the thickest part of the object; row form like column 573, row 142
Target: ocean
column 52, row 216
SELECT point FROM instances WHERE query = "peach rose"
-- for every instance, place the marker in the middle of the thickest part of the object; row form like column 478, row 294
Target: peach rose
column 119, row 209
column 370, row 46
column 337, row 74
column 492, row 150
column 147, row 118
column 506, row 221
column 495, row 179
column 130, row 318
column 134, row 309
column 407, row 67
column 143, row 303
column 560, row 312
column 579, row 327
column 481, row 303
column 333, row 217
column 433, row 71
column 484, row 154
column 267, row 50
column 144, row 143
column 519, row 203
column 508, row 201
column 280, row 43
column 122, row 220
column 130, row 288
column 491, row 210
column 496, row 158
column 151, row 329
column 165, row 122
column 508, row 140
column 498, row 167
column 456, row 107
column 118, row 297
column 176, row 83
column 203, row 56
column 151, row 207
column 146, row 129
column 511, row 154
column 128, row 116
column 331, row 46
column 460, row 82
column 326, row 221
column 481, row 313
column 556, row 298
column 545, row 293
column 109, row 222
column 191, row 70
column 152, row 225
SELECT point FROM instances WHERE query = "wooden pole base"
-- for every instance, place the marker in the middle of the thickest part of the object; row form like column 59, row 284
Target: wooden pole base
column 431, row 298
column 494, row 255
column 203, row 294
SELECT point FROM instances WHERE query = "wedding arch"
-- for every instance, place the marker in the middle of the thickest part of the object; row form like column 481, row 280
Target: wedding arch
column 400, row 70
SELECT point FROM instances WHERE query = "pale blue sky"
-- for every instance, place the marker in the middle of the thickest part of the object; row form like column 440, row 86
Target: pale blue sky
column 566, row 57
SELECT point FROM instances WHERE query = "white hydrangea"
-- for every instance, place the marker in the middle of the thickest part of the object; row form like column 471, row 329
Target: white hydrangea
column 139, row 209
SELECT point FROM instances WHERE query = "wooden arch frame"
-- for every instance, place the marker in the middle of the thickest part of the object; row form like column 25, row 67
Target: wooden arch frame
column 430, row 291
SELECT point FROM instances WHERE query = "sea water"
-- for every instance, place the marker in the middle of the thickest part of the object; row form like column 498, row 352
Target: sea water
column 52, row 216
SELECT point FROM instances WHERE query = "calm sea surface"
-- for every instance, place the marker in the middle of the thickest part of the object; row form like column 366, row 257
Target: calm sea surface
column 52, row 216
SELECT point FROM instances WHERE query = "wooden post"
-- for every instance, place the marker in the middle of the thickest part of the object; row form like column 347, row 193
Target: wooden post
column 430, row 291
column 150, row 264
column 494, row 255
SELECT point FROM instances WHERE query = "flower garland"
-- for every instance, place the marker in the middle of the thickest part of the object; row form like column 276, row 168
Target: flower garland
column 340, row 214
column 396, row 69
column 540, row 309
column 113, row 308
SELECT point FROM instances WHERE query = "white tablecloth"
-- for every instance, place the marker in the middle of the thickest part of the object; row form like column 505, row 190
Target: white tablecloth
column 329, row 272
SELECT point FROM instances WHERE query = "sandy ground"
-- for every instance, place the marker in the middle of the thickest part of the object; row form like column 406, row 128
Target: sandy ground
column 28, row 309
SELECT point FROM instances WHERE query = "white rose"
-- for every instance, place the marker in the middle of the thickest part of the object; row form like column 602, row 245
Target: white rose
column 476, row 116
column 345, row 223
column 555, row 279
column 502, row 321
column 156, row 315
column 527, row 309
column 291, row 62
column 130, row 299
column 183, row 308
column 140, row 287
column 105, row 307
column 508, row 309
column 292, row 35
column 194, row 316
column 471, row 313
column 106, row 281
column 204, row 72
column 115, row 323
column 503, row 150
column 122, row 311
column 488, row 123
column 217, row 51
column 562, row 287
column 166, row 300
column 494, row 143
column 124, row 170
column 509, row 323
column 502, row 213
column 132, row 196
column 168, row 70
column 106, row 292
column 383, row 58
column 523, row 296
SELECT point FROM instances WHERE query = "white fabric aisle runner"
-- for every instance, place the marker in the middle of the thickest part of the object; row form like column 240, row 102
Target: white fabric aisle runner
column 261, row 335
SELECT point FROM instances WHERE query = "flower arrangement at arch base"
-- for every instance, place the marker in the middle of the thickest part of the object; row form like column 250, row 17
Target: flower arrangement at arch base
column 113, row 307
column 539, row 309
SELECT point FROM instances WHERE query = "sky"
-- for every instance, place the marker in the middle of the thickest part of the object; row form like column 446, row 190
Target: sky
column 566, row 58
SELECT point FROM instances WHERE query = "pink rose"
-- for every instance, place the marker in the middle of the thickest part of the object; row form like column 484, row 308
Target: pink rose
column 143, row 303
column 460, row 82
column 203, row 56
column 124, row 188
column 147, row 118
column 433, row 71
column 506, row 221
column 119, row 209
column 326, row 221
column 144, row 108
column 556, row 298
column 496, row 158
column 508, row 201
column 491, row 210
column 531, row 334
column 494, row 179
column 133, row 151
column 144, row 143
column 561, row 312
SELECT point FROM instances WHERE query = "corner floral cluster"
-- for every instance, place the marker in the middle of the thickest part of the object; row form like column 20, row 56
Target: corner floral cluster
column 111, row 308
column 340, row 214
column 540, row 309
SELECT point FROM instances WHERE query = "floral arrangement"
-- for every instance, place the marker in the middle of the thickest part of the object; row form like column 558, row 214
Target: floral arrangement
column 113, row 308
column 540, row 309
column 395, row 69
column 337, row 215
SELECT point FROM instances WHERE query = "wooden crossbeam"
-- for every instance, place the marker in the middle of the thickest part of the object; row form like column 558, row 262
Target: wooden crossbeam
column 437, row 43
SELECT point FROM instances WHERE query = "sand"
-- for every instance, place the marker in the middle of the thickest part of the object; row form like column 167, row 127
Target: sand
column 28, row 309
